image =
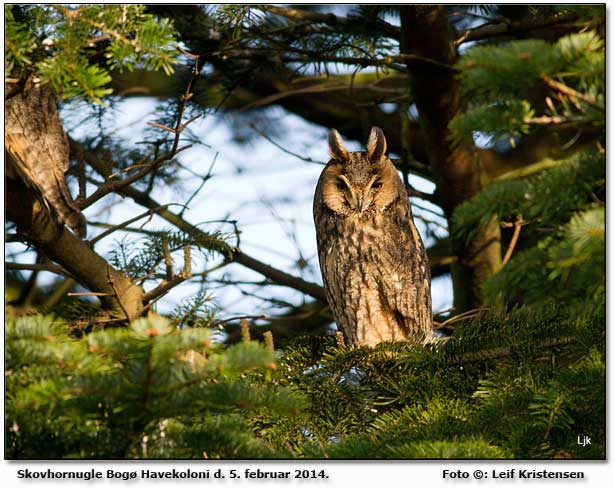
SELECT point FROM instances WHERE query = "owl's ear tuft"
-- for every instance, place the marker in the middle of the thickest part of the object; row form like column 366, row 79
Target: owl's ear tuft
column 376, row 146
column 336, row 147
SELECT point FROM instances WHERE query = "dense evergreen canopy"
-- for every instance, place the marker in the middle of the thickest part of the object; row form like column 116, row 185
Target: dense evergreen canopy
column 502, row 108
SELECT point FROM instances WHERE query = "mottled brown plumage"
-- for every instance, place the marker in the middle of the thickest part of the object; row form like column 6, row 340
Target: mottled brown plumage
column 37, row 150
column 373, row 262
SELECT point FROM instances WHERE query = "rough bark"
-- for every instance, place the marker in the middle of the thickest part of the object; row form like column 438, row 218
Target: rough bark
column 61, row 246
column 427, row 32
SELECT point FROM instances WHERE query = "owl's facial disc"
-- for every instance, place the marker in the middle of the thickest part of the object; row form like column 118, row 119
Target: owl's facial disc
column 359, row 197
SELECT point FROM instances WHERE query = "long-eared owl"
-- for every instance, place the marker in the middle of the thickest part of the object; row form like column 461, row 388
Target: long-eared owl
column 37, row 151
column 373, row 262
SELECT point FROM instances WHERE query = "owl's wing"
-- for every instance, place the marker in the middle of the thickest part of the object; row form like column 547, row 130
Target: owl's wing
column 407, row 286
column 38, row 151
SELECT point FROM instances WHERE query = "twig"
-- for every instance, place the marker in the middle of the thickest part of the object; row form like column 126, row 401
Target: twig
column 168, row 259
column 179, row 127
column 124, row 224
column 245, row 336
column 462, row 316
column 545, row 120
column 204, row 179
column 187, row 261
column 162, row 289
column 297, row 15
column 229, row 253
column 570, row 92
column 505, row 351
column 399, row 62
column 171, row 280
column 503, row 28
column 277, row 145
column 414, row 192
column 95, row 294
column 234, row 318
column 38, row 267
column 58, row 293
column 319, row 88
column 510, row 249
column 117, row 185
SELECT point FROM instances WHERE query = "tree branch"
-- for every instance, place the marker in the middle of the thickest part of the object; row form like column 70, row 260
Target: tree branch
column 296, row 15
column 74, row 255
column 230, row 254
column 504, row 28
column 41, row 267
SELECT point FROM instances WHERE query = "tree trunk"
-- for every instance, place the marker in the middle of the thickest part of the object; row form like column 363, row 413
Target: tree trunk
column 426, row 32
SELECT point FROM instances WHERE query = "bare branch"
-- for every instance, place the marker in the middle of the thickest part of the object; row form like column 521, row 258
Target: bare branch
column 230, row 254
column 414, row 192
column 116, row 185
column 124, row 224
column 37, row 267
column 510, row 249
column 570, row 92
column 506, row 28
column 277, row 145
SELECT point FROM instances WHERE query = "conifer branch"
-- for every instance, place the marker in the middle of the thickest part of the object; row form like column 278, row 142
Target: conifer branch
column 510, row 249
column 72, row 253
column 506, row 28
column 570, row 92
column 116, row 185
column 332, row 20
column 504, row 351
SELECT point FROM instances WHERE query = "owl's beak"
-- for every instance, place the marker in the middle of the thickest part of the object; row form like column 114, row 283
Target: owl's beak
column 360, row 201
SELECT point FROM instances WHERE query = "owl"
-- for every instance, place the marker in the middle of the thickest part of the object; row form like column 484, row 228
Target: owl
column 373, row 262
column 36, row 149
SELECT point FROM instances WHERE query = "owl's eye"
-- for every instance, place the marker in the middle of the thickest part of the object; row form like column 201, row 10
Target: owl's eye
column 341, row 185
column 377, row 184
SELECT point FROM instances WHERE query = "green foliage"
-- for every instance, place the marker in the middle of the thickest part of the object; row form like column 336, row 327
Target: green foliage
column 571, row 264
column 521, row 380
column 142, row 258
column 19, row 43
column 76, row 47
column 546, row 199
column 552, row 290
column 515, row 384
column 148, row 391
column 507, row 385
column 502, row 117
column 500, row 82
